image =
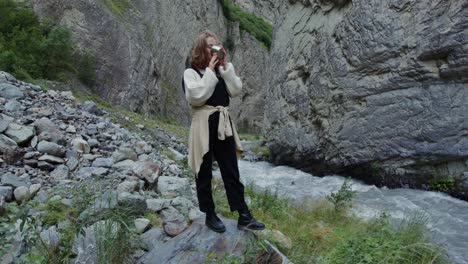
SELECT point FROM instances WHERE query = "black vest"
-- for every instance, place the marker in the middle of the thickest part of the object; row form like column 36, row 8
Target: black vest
column 220, row 95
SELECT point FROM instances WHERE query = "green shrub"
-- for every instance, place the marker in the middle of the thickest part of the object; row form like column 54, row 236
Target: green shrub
column 251, row 23
column 444, row 185
column 87, row 68
column 30, row 48
column 343, row 198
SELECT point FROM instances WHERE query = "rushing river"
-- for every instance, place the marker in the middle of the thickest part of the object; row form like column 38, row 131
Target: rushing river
column 447, row 216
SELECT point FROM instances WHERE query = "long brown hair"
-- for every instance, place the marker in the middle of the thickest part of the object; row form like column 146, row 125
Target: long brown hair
column 200, row 56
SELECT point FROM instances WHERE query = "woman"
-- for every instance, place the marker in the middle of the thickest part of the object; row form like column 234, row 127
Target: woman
column 209, row 83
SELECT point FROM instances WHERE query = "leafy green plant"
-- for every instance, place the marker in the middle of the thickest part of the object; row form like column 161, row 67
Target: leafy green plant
column 343, row 198
column 31, row 48
column 445, row 184
column 251, row 23
column 86, row 68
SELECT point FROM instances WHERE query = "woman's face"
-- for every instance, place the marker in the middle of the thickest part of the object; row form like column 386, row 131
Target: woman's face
column 210, row 41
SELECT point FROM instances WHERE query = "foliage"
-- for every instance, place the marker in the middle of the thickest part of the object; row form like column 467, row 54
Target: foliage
column 30, row 48
column 343, row 198
column 86, row 68
column 445, row 184
column 256, row 26
column 118, row 7
column 381, row 243
column 321, row 234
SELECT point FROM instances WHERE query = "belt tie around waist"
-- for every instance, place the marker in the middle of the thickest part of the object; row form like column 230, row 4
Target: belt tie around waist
column 224, row 126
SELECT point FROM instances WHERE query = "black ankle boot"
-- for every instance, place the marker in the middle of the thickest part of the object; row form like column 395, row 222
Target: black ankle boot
column 247, row 221
column 214, row 223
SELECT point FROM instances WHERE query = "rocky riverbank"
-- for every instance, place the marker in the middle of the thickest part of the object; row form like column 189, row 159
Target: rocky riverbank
column 71, row 177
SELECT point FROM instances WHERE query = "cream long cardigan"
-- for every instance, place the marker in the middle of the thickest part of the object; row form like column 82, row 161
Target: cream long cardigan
column 197, row 92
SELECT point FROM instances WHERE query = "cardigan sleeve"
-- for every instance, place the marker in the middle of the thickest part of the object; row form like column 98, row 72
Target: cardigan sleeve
column 233, row 82
column 198, row 90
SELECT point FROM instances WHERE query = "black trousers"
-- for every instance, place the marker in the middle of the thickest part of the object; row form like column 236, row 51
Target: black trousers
column 224, row 151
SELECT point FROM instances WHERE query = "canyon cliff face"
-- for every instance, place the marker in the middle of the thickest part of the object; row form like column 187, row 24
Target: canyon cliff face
column 375, row 89
column 370, row 88
column 141, row 48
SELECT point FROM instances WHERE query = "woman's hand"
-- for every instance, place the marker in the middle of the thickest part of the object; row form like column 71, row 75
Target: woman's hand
column 214, row 60
column 223, row 61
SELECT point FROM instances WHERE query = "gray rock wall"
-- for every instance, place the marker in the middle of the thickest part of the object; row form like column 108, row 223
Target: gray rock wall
column 370, row 86
column 141, row 50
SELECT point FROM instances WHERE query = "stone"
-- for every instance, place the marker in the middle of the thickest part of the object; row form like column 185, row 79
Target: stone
column 10, row 179
column 4, row 125
column 134, row 202
column 12, row 106
column 21, row 193
column 20, row 134
column 6, row 192
column 72, row 163
column 127, row 186
column 44, row 124
column 50, row 236
column 60, row 173
column 93, row 142
column 141, row 225
column 9, row 91
column 51, row 159
column 91, row 129
column 44, row 165
column 71, row 129
column 80, row 145
column 213, row 243
column 51, row 148
column 152, row 238
column 195, row 213
column 177, row 154
column 30, row 162
column 156, row 205
column 91, row 107
column 7, row 144
column 277, row 236
column 103, row 162
column 55, row 136
column 182, row 204
column 174, row 222
column 124, row 165
column 147, row 170
column 34, row 188
column 142, row 147
column 173, row 186
column 124, row 154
